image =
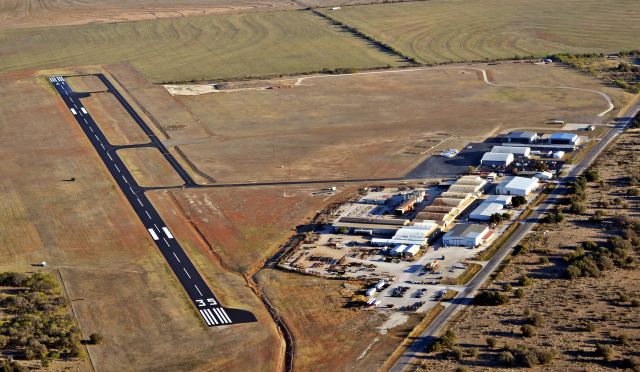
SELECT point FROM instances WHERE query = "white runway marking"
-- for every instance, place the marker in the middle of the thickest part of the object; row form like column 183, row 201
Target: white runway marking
column 177, row 259
column 153, row 234
column 220, row 316
column 109, row 155
column 206, row 318
column 208, row 311
column 167, row 232
column 131, row 189
column 125, row 180
column 148, row 215
column 225, row 314
column 169, row 245
column 186, row 272
column 118, row 169
column 197, row 289
column 91, row 129
column 140, row 202
column 74, row 112
column 83, row 110
column 95, row 135
column 102, row 145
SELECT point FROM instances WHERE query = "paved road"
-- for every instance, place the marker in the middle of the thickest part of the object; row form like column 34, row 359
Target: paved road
column 212, row 312
column 464, row 298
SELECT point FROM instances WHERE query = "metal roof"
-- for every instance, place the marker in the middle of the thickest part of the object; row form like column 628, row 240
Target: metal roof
column 519, row 183
column 502, row 199
column 527, row 135
column 486, row 209
column 520, row 150
column 467, row 230
column 496, row 156
column 563, row 136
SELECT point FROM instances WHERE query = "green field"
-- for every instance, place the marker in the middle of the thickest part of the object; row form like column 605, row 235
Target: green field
column 440, row 31
column 195, row 48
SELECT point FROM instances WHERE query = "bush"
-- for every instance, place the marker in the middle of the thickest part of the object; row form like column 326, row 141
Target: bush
column 525, row 281
column 577, row 208
column 534, row 319
column 507, row 287
column 518, row 200
column 591, row 175
column 605, row 351
column 456, row 353
column 519, row 293
column 543, row 261
column 474, row 352
column 623, row 338
column 635, row 302
column 633, row 192
column 591, row 326
column 632, row 363
column 491, row 342
column 528, row 330
column 507, row 358
column 490, row 298
column 446, row 341
column 96, row 338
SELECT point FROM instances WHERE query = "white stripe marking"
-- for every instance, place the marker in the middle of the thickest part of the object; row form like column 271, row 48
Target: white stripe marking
column 109, row 155
column 83, row 110
column 153, row 234
column 206, row 319
column 225, row 315
column 125, row 180
column 217, row 312
column 131, row 189
column 74, row 112
column 118, row 169
column 167, row 232
column 168, row 245
column 186, row 272
column 208, row 311
column 174, row 255
column 140, row 202
column 95, row 135
column 91, row 129
column 148, row 215
column 197, row 289
column 102, row 145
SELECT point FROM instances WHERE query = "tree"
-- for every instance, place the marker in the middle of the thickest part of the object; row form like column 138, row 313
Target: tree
column 96, row 338
column 491, row 298
column 519, row 293
column 605, row 351
column 491, row 342
column 524, row 281
column 518, row 200
column 506, row 358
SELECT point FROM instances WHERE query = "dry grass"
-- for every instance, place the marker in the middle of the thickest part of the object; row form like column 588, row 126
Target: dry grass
column 195, row 48
column 149, row 167
column 85, row 83
column 443, row 31
column 119, row 283
column 114, row 121
column 377, row 125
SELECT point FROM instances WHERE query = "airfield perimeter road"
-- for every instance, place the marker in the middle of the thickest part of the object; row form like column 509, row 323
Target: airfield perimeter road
column 464, row 298
column 201, row 295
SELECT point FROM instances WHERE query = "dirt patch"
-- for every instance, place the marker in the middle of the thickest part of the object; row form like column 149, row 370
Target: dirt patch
column 85, row 83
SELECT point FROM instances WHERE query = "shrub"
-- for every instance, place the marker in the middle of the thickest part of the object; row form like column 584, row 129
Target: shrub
column 446, row 341
column 507, row 287
column 456, row 353
column 633, row 192
column 577, row 208
column 474, row 352
column 518, row 200
column 591, row 326
column 525, row 281
column 491, row 342
column 528, row 330
column 462, row 369
column 543, row 261
column 591, row 175
column 520, row 249
column 507, row 358
column 530, row 357
column 632, row 363
column 96, row 338
column 534, row 319
column 605, row 351
column 623, row 338
column 635, row 302
column 519, row 293
column 491, row 298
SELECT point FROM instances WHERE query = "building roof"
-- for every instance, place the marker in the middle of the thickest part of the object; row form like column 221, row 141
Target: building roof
column 467, row 230
column 495, row 156
column 520, row 150
column 374, row 221
column 486, row 209
column 413, row 249
column 523, row 135
column 502, row 199
column 518, row 183
column 563, row 136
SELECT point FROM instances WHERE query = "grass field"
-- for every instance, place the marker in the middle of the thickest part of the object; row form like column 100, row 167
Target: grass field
column 456, row 30
column 149, row 167
column 114, row 121
column 180, row 49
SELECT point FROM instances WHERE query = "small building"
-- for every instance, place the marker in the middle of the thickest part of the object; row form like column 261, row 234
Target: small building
column 517, row 151
column 398, row 249
column 563, row 139
column 485, row 210
column 514, row 185
column 406, row 206
column 412, row 250
column 371, row 291
column 501, row 199
column 466, row 235
column 544, row 175
column 522, row 137
column 409, row 235
column 492, row 159
column 558, row 155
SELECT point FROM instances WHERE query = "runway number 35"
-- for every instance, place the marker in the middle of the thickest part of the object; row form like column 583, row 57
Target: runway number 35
column 210, row 301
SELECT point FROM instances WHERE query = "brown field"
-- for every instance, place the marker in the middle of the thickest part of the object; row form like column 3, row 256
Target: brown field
column 328, row 336
column 149, row 167
column 20, row 14
column 85, row 83
column 114, row 121
column 569, row 307
column 119, row 284
column 375, row 125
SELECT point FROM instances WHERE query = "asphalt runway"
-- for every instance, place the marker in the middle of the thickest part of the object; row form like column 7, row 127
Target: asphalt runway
column 208, row 306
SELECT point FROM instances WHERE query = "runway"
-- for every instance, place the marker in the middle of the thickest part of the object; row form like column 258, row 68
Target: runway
column 207, row 304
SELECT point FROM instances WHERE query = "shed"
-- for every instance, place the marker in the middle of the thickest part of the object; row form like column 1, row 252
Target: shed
column 544, row 175
column 558, row 155
column 563, row 139
column 517, row 151
column 522, row 137
column 502, row 199
column 514, row 185
column 412, row 250
column 493, row 159
column 466, row 235
column 485, row 210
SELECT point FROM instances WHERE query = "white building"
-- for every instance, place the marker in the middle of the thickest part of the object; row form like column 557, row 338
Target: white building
column 514, row 185
column 466, row 235
column 493, row 159
column 409, row 235
column 517, row 151
column 564, row 139
column 485, row 210
column 544, row 175
column 502, row 199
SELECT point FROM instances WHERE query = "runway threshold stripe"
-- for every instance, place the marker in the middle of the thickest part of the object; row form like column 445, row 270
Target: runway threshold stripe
column 219, row 314
column 153, row 234
column 206, row 319
column 225, row 314
column 211, row 315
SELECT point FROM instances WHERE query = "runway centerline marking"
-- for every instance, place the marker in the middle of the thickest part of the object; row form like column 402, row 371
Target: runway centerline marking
column 177, row 259
column 186, row 272
column 197, row 289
